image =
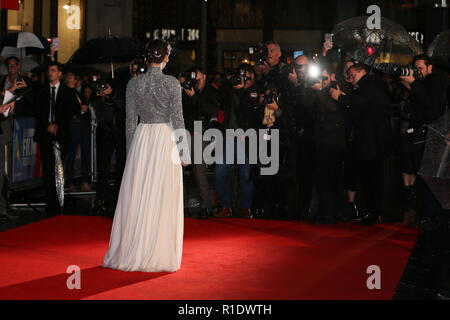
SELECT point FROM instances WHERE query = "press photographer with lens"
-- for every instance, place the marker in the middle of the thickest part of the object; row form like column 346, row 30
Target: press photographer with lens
column 298, row 124
column 239, row 114
column 200, row 103
column 270, row 67
column 427, row 91
column 328, row 137
column 109, row 107
column 373, row 137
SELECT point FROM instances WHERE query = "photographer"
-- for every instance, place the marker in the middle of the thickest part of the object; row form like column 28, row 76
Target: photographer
column 238, row 107
column 329, row 146
column 14, row 82
column 427, row 90
column 350, row 162
column 270, row 68
column 200, row 103
column 373, row 137
column 109, row 108
column 298, row 121
column 80, row 134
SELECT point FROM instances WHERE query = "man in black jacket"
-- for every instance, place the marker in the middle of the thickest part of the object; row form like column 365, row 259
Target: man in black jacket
column 329, row 145
column 55, row 105
column 428, row 104
column 109, row 107
column 200, row 103
column 238, row 115
column 373, row 133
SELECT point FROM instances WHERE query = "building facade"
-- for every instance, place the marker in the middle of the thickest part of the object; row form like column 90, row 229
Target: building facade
column 72, row 22
column 234, row 25
column 231, row 25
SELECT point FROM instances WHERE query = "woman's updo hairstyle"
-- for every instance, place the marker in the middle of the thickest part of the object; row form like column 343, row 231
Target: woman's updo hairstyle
column 156, row 51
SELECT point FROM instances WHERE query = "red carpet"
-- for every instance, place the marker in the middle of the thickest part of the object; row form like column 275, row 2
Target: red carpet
column 222, row 259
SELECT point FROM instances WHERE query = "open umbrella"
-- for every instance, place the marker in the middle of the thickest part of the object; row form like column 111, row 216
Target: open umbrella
column 440, row 47
column 383, row 49
column 439, row 50
column 23, row 44
column 109, row 49
column 435, row 169
column 59, row 173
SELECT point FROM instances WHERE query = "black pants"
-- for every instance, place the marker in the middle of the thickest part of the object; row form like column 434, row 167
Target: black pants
column 328, row 167
column 304, row 172
column 48, row 170
column 371, row 176
column 108, row 141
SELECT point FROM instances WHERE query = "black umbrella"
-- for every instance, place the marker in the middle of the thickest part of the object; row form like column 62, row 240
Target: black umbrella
column 109, row 49
column 79, row 69
column 435, row 169
column 383, row 49
column 440, row 47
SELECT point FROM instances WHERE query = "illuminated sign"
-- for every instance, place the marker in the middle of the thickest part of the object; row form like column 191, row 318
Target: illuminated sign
column 418, row 36
column 176, row 35
column 74, row 20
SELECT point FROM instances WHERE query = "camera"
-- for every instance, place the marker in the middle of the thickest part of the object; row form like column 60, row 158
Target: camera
column 99, row 84
column 190, row 80
column 406, row 71
column 141, row 65
column 269, row 98
column 238, row 77
column 259, row 54
column 287, row 68
column 314, row 75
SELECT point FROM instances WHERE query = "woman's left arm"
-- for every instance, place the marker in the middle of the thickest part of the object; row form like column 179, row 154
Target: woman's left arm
column 178, row 122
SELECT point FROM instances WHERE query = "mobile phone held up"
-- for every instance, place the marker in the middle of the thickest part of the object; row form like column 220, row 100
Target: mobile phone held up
column 55, row 43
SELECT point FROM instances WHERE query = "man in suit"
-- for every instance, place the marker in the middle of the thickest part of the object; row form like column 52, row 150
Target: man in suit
column 55, row 105
column 14, row 82
column 373, row 133
column 5, row 139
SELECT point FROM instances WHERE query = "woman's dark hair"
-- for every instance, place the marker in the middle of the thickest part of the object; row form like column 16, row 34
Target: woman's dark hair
column 157, row 50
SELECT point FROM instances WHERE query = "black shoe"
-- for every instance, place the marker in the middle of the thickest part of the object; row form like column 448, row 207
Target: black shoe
column 4, row 219
column 305, row 214
column 434, row 224
column 353, row 211
column 204, row 214
column 370, row 219
column 258, row 213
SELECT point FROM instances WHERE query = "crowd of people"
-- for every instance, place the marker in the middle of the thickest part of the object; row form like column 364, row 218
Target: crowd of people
column 336, row 133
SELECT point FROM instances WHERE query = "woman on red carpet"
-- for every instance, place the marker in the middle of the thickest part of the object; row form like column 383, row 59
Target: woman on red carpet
column 147, row 232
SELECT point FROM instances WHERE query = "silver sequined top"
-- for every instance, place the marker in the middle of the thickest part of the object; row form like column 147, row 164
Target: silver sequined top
column 155, row 98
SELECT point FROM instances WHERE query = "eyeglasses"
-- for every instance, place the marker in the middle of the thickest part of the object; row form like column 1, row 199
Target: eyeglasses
column 12, row 65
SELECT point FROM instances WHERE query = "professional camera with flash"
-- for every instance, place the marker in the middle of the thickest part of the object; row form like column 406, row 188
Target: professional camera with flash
column 238, row 77
column 190, row 79
column 99, row 84
column 406, row 71
column 259, row 54
column 141, row 65
column 314, row 74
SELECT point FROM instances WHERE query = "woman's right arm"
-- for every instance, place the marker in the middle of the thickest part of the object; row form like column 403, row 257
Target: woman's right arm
column 131, row 114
